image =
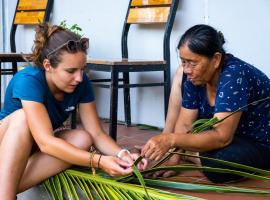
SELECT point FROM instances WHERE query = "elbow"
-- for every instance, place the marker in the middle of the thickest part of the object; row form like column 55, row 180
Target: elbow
column 43, row 149
column 223, row 142
column 44, row 145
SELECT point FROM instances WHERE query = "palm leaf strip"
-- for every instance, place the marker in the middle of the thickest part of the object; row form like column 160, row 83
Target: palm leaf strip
column 228, row 163
column 202, row 187
column 139, row 175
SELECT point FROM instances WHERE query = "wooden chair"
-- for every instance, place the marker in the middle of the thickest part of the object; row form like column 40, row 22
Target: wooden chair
column 138, row 12
column 27, row 12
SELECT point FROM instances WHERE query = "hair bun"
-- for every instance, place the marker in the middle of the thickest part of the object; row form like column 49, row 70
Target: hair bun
column 221, row 37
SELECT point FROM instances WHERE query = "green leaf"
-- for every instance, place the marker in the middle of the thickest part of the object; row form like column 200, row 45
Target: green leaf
column 202, row 187
column 138, row 174
column 180, row 168
column 147, row 127
column 199, row 122
column 228, row 163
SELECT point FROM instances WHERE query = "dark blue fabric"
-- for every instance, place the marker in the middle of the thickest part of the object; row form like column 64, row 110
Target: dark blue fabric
column 239, row 84
column 243, row 151
column 30, row 84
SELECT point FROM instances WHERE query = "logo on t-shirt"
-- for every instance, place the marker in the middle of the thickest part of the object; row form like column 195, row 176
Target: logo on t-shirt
column 70, row 108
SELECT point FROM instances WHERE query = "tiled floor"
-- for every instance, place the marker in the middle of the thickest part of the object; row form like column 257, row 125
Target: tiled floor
column 131, row 136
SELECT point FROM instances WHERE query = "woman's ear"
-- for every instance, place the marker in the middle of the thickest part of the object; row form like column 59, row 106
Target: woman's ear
column 46, row 64
column 217, row 59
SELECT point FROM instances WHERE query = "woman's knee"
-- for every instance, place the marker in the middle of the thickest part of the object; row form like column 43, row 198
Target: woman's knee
column 17, row 119
column 217, row 177
column 17, row 124
column 79, row 138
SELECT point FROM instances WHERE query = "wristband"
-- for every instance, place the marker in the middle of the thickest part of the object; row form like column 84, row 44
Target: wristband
column 120, row 153
column 91, row 162
column 99, row 161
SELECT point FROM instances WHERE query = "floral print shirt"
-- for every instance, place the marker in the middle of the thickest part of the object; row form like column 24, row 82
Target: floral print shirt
column 239, row 84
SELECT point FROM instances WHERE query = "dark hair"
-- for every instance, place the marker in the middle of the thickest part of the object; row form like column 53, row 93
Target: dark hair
column 47, row 39
column 203, row 40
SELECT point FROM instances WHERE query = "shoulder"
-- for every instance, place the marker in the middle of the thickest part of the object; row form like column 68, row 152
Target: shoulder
column 29, row 76
column 239, row 70
column 31, row 71
column 236, row 66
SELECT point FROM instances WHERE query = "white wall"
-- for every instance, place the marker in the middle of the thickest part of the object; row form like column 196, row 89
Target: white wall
column 1, row 27
column 244, row 24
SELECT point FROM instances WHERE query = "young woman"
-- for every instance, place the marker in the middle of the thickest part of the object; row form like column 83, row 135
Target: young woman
column 38, row 100
column 216, row 84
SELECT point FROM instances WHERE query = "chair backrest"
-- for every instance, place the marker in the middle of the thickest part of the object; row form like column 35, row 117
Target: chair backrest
column 150, row 12
column 29, row 12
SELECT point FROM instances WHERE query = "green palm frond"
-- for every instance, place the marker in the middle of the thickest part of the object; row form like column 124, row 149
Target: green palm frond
column 204, row 124
column 97, row 187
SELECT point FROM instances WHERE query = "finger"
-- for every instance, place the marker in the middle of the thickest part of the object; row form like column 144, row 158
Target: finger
column 128, row 158
column 119, row 171
column 134, row 156
column 123, row 163
column 144, row 163
column 155, row 156
column 144, row 149
column 138, row 147
column 158, row 174
column 148, row 175
column 126, row 171
column 147, row 147
column 142, row 166
column 150, row 152
column 169, row 174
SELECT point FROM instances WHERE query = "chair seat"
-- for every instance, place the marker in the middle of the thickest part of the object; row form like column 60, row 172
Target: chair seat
column 124, row 62
column 13, row 57
column 122, row 65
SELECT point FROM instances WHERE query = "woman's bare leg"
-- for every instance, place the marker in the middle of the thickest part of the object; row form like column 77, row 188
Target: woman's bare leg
column 42, row 166
column 16, row 143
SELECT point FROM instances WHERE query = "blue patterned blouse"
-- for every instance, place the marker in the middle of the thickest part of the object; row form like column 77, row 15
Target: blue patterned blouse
column 239, row 84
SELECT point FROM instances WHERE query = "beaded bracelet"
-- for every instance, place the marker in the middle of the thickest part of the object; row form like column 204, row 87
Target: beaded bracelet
column 91, row 162
column 99, row 160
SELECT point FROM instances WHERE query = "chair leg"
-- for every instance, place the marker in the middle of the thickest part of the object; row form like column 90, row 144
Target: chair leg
column 0, row 85
column 114, row 104
column 73, row 119
column 167, row 90
column 127, row 99
column 14, row 68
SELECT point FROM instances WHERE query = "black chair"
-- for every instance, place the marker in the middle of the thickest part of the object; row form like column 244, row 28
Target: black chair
column 138, row 12
column 27, row 13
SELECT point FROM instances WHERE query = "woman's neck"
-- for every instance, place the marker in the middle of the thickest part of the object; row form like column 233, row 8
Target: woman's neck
column 211, row 86
column 58, row 94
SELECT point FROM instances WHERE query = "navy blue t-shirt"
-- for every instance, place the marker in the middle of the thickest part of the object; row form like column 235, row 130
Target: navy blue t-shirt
column 239, row 84
column 30, row 84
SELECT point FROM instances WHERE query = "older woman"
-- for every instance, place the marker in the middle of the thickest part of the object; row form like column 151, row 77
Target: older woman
column 217, row 84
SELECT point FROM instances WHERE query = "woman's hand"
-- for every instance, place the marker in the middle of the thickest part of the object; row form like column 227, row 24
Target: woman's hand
column 115, row 166
column 131, row 157
column 158, row 146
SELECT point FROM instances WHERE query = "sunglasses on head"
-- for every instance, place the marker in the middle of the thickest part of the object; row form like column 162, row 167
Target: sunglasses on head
column 72, row 46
